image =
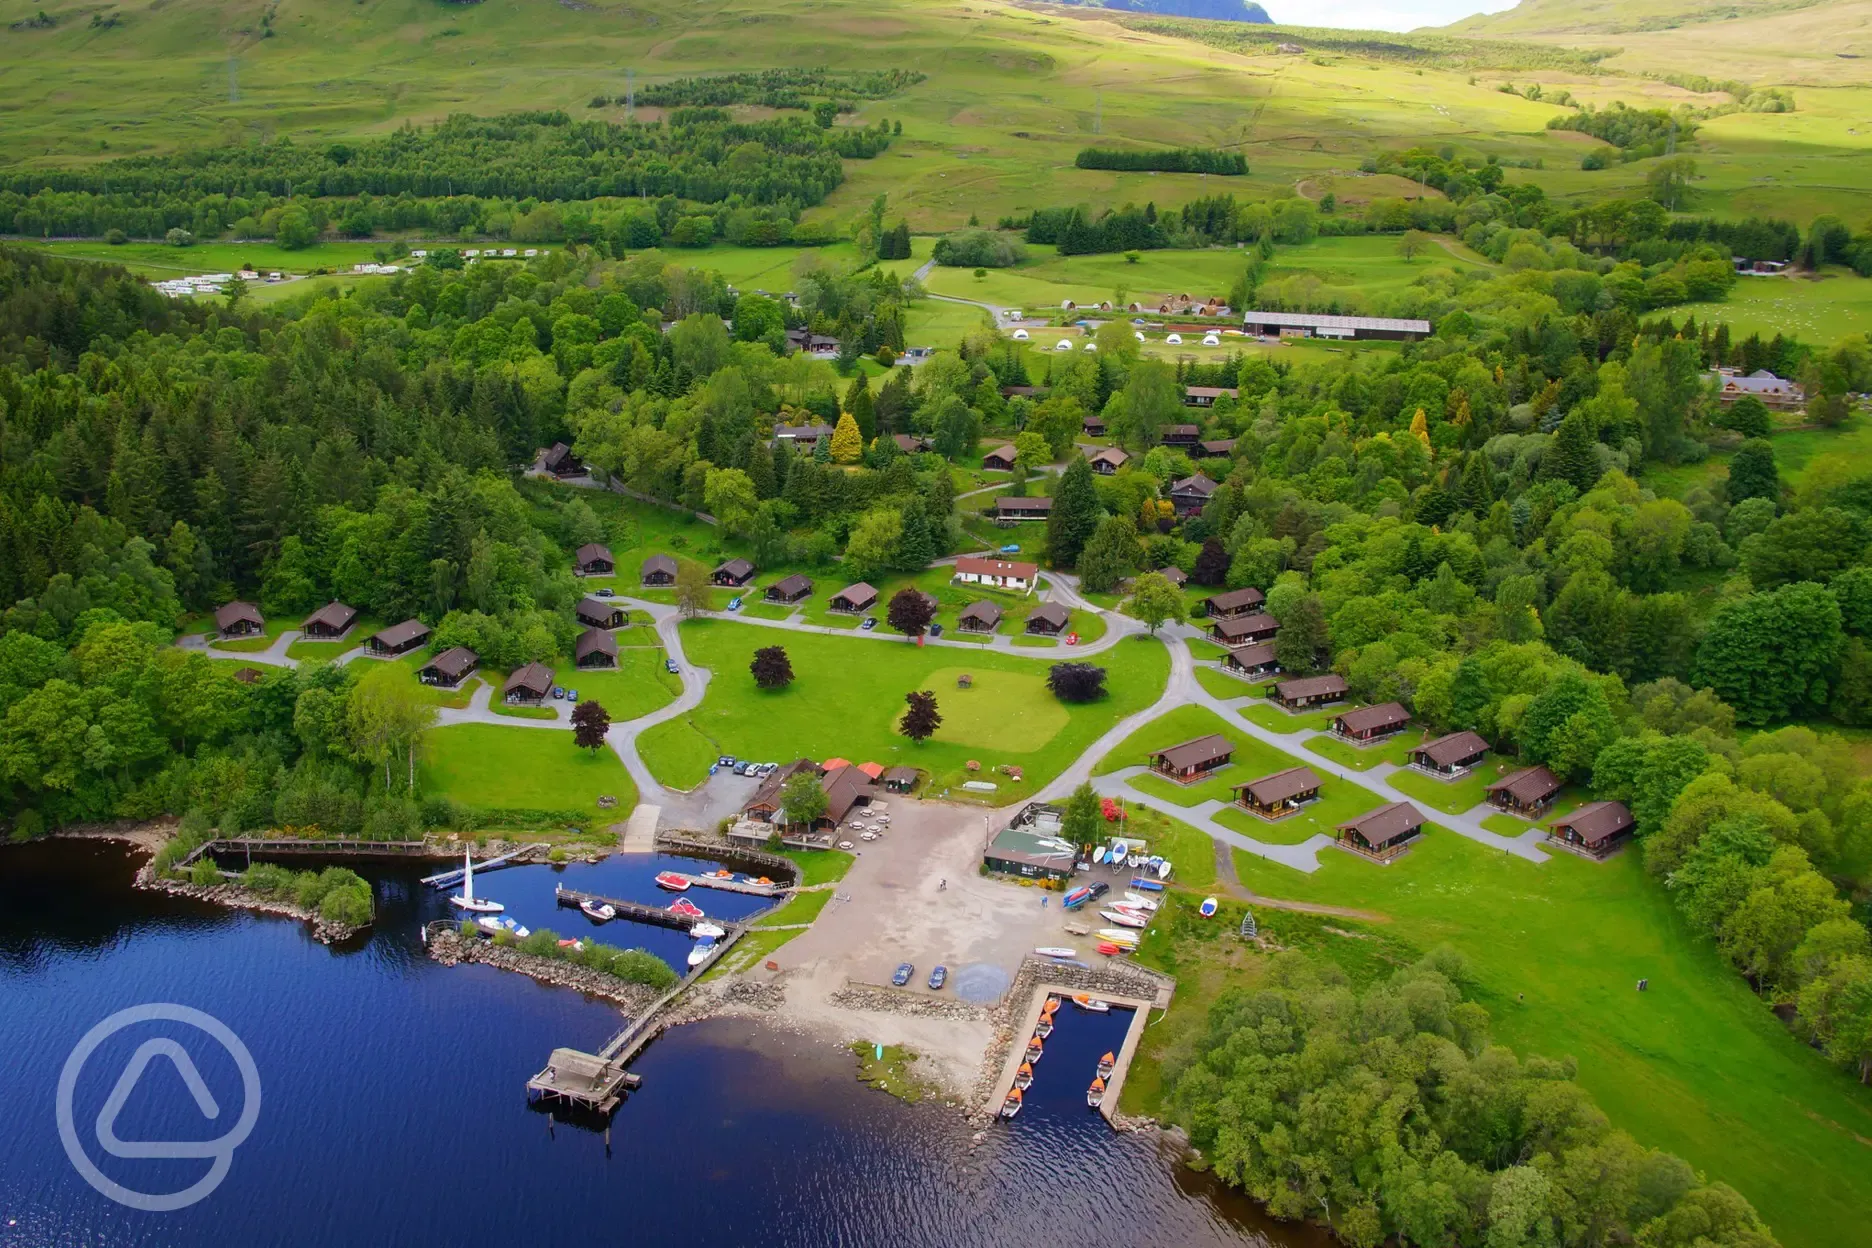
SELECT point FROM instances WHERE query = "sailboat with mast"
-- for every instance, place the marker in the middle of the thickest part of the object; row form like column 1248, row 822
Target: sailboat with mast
column 466, row 900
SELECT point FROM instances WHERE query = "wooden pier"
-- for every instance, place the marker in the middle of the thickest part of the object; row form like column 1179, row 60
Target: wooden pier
column 446, row 879
column 635, row 911
column 734, row 886
column 273, row 847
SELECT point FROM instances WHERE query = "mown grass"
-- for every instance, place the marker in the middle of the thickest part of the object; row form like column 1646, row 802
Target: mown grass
column 820, row 866
column 800, row 908
column 486, row 765
column 1697, row 1064
column 635, row 687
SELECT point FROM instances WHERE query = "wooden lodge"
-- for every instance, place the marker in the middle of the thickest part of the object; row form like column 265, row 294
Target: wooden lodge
column 559, row 460
column 592, row 559
column 1192, row 760
column 528, row 686
column 996, row 573
column 1226, row 606
column 1095, row 426
column 1279, row 795
column 733, row 573
column 598, row 613
column 899, row 779
column 658, row 570
column 855, row 599
column 398, row 638
column 1049, row 619
column 1382, row 834
column 239, row 619
column 1244, row 630
column 1595, row 829
column 1184, row 436
column 1175, row 575
column 789, row 589
column 1450, row 756
column 1205, row 396
column 1001, row 459
column 1528, row 792
column 1108, row 461
column 909, row 443
column 1015, row 510
column 1220, row 448
column 1310, row 691
column 595, row 648
column 449, row 668
column 1371, row 723
column 979, row 617
column 329, row 622
column 1253, row 661
column 1191, row 494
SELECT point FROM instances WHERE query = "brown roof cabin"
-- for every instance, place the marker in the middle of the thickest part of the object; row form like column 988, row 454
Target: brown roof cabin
column 1109, row 460
column 1192, row 760
column 1220, row 448
column 1384, row 833
column 1048, row 619
column 1371, row 723
column 1011, row 510
column 1451, row 755
column 1181, row 435
column 765, row 804
column 594, row 560
column 398, row 638
column 1596, row 828
column 1191, row 494
column 1243, row 630
column 529, row 684
column 249, row 675
column 1000, row 573
column 1001, row 459
column 1234, row 602
column 1020, row 392
column 598, row 613
column 979, row 617
column 733, row 572
column 1095, row 426
column 1526, row 792
column 334, row 619
column 1176, row 576
column 561, row 462
column 1256, row 659
column 910, row 444
column 801, row 438
column 789, row 589
column 1279, row 795
column 1205, row 396
column 659, row 570
column 449, row 668
column 1310, row 691
column 855, row 599
column 845, row 788
column 239, row 619
column 595, row 648
column 899, row 779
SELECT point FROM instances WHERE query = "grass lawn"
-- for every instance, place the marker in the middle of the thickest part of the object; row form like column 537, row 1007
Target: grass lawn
column 159, row 260
column 848, row 697
column 677, row 753
column 521, row 712
column 326, row 651
column 1697, row 1065
column 636, row 686
column 820, row 866
column 488, row 766
column 750, row 951
column 248, row 645
column 1271, row 717
column 1191, row 849
column 1339, row 801
column 1364, row 759
column 800, row 908
column 1452, row 797
column 1223, row 685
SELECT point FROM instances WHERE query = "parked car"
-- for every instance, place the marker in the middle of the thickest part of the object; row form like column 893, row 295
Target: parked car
column 938, row 978
column 669, row 665
column 935, row 630
column 740, row 769
column 734, row 604
column 713, row 768
column 1099, row 890
column 571, row 695
column 726, row 760
column 604, row 593
column 1012, row 549
column 904, row 972
column 767, row 769
column 558, row 691
column 870, row 622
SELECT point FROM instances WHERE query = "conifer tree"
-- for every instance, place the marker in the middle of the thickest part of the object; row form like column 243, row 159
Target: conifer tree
column 847, row 443
column 1075, row 515
column 858, row 403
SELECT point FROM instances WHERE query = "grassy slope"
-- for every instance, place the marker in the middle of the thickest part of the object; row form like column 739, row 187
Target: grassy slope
column 848, row 695
column 489, row 766
column 1696, row 1065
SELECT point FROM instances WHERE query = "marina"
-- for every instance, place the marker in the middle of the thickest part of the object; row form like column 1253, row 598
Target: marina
column 447, row 879
column 1053, row 1002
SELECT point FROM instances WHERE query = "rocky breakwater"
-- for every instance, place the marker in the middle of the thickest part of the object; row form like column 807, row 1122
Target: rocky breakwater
column 880, row 1000
column 233, row 896
column 450, row 948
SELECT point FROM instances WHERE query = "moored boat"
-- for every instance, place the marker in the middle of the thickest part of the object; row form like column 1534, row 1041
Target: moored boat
column 1140, row 902
column 675, row 881
column 598, row 911
column 1095, row 1095
column 1056, row 951
column 1023, row 1078
column 1051, row 1006
column 1106, row 1065
column 1044, row 1027
column 709, row 930
column 719, row 875
column 1118, row 936
column 1208, row 908
column 701, row 951
column 1123, row 918
column 1086, row 1001
column 1012, row 1105
column 1146, row 883
column 488, row 923
column 466, row 900
column 685, row 907
column 1163, row 869
column 1035, row 1050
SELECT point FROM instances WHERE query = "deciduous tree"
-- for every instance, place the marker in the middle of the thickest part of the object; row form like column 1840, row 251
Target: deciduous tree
column 771, row 667
column 590, row 722
column 910, row 611
column 921, row 721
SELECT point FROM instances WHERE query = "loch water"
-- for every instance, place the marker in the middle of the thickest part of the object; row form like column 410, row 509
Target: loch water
column 393, row 1108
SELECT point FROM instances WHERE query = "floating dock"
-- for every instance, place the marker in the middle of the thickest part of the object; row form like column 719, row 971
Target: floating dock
column 751, row 887
column 446, row 879
column 635, row 911
column 1114, row 1082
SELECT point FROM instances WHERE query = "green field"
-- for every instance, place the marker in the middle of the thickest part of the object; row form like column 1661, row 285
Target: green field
column 635, row 687
column 159, row 260
column 505, row 768
column 847, row 697
column 1819, row 310
column 1696, row 1065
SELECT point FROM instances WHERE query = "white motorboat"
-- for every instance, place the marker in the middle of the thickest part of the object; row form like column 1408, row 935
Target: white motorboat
column 1163, row 869
column 707, row 931
column 597, row 911
column 488, row 923
column 1118, row 936
column 701, row 952
column 466, row 900
column 1122, row 919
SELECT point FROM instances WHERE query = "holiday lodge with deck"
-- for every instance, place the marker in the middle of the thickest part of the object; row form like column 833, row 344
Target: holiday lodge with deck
column 1382, row 834
column 854, row 599
column 1450, row 756
column 398, row 638
column 528, row 686
column 1254, row 660
column 329, row 622
column 1595, row 829
column 1308, row 691
column 658, row 570
column 1192, row 760
column 593, row 559
column 598, row 613
column 449, row 668
column 1371, row 723
column 1244, row 630
column 239, row 619
column 733, row 573
column 1279, row 795
column 1527, row 793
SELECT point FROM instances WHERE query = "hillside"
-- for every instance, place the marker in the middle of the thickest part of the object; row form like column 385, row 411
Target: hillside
column 1209, row 10
column 1759, row 41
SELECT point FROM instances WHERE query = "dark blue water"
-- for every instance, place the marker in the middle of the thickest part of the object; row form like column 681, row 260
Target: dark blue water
column 393, row 1109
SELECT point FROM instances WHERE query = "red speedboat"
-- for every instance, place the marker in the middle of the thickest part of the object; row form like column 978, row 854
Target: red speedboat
column 673, row 881
column 685, row 907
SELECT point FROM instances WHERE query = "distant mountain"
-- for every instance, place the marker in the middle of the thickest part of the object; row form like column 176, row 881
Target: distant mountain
column 1212, row 10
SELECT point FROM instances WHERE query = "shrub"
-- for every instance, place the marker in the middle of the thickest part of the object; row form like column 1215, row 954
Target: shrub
column 204, row 873
column 967, row 249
